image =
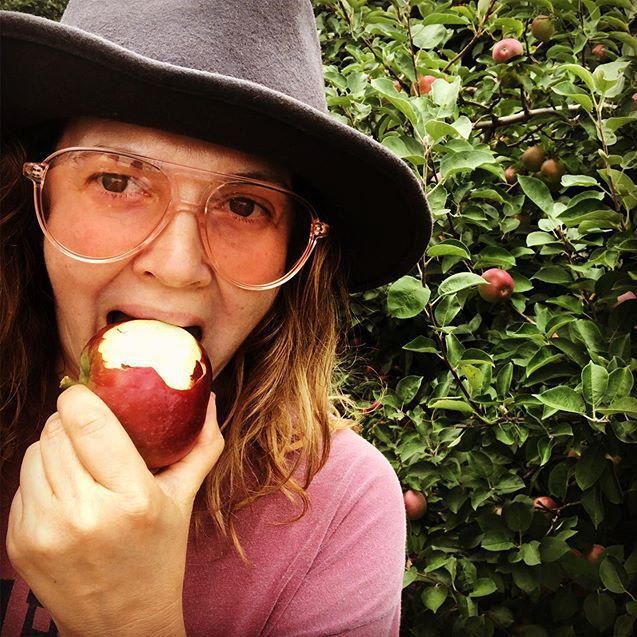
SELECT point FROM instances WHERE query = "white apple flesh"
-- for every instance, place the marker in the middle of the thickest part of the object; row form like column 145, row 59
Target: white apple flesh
column 156, row 378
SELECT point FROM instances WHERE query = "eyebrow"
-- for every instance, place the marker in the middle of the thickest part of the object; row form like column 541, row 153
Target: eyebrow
column 259, row 174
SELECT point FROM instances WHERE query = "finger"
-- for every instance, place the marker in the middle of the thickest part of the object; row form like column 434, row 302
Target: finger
column 35, row 491
column 66, row 474
column 183, row 478
column 100, row 442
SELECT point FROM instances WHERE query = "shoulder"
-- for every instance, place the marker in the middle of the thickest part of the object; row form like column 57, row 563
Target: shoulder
column 357, row 477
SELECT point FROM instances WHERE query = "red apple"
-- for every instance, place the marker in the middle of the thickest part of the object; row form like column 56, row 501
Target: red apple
column 499, row 287
column 415, row 504
column 599, row 51
column 626, row 296
column 543, row 28
column 510, row 175
column 594, row 553
column 506, row 49
column 552, row 171
column 533, row 157
column 156, row 378
column 425, row 82
column 545, row 503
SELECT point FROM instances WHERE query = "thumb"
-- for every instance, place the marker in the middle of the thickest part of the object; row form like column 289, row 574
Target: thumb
column 182, row 479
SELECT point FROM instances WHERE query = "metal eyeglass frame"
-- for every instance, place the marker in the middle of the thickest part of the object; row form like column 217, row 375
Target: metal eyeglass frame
column 37, row 171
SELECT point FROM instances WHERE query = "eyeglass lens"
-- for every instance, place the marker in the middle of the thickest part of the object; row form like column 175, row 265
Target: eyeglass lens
column 102, row 205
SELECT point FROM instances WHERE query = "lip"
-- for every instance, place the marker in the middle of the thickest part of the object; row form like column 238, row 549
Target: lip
column 182, row 319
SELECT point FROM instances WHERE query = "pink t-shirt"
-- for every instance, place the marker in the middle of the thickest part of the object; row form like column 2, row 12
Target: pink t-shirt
column 336, row 571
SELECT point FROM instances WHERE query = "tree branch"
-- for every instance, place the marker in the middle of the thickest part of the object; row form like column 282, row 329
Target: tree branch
column 523, row 117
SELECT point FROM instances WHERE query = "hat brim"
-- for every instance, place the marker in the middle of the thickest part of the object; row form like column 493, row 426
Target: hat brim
column 370, row 197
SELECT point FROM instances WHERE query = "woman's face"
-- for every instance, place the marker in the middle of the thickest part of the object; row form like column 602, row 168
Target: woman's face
column 171, row 278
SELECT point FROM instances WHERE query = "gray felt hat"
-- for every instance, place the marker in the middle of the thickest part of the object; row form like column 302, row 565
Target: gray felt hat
column 243, row 73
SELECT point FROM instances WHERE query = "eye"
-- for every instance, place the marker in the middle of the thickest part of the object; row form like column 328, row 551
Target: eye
column 114, row 182
column 242, row 206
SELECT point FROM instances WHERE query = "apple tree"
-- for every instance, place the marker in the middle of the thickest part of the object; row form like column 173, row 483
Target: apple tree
column 511, row 408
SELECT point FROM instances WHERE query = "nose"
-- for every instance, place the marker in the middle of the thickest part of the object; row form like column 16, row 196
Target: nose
column 177, row 256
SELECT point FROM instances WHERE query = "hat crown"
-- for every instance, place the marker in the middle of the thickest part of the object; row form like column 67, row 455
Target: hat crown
column 273, row 43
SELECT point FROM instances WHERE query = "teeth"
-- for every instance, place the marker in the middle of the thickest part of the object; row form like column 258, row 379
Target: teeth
column 116, row 316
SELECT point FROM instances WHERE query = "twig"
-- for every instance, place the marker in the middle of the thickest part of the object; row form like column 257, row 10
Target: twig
column 523, row 117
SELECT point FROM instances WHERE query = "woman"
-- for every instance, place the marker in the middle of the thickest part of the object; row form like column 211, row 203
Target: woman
column 281, row 521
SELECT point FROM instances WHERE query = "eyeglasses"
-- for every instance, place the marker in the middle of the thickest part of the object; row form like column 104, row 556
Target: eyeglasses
column 99, row 205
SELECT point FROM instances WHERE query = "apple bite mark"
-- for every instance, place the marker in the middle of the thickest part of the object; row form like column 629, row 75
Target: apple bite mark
column 135, row 344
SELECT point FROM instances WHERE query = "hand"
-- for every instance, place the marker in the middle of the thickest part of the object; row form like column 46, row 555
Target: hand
column 100, row 540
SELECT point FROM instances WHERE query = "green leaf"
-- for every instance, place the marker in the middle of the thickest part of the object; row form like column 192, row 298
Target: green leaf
column 453, row 163
column 433, row 597
column 518, row 516
column 552, row 548
column 537, row 191
column 461, row 281
column 444, row 18
column 428, row 36
column 563, row 398
column 600, row 610
column 497, row 540
column 589, row 468
column 626, row 405
column 407, row 297
column 530, row 553
column 422, row 345
column 584, row 74
column 578, row 180
column 476, row 357
column 449, row 247
column 495, row 257
column 503, row 380
column 620, row 383
column 594, row 506
column 408, row 387
column 594, row 383
column 613, row 575
column 437, row 130
column 540, row 239
column 553, row 274
column 451, row 405
column 483, row 587
column 410, row 576
column 558, row 480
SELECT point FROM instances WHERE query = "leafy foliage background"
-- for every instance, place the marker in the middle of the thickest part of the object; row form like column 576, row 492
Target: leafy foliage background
column 484, row 407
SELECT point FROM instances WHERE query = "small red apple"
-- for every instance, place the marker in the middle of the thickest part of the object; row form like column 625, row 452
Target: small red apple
column 506, row 49
column 415, row 504
column 543, row 28
column 510, row 175
column 533, row 157
column 425, row 82
column 545, row 503
column 156, row 378
column 552, row 171
column 626, row 296
column 599, row 51
column 499, row 287
column 594, row 553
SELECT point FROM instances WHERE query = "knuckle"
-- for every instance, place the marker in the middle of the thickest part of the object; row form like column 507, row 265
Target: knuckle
column 53, row 426
column 90, row 422
column 142, row 509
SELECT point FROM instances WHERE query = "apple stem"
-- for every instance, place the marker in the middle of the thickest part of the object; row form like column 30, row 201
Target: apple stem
column 67, row 382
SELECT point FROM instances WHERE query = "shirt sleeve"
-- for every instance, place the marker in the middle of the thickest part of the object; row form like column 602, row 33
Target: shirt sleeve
column 353, row 586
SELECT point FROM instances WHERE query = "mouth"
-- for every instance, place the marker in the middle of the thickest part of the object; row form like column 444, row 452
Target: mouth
column 117, row 316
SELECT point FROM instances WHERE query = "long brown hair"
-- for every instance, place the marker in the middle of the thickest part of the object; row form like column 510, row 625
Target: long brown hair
column 277, row 399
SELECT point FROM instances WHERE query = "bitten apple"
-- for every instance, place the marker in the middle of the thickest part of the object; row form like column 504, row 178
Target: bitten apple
column 156, row 378
column 500, row 285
